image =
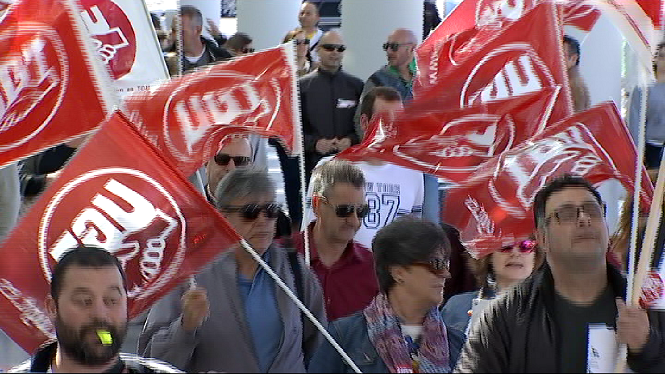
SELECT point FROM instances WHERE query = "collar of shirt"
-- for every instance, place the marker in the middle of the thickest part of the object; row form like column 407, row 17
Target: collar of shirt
column 413, row 69
column 351, row 252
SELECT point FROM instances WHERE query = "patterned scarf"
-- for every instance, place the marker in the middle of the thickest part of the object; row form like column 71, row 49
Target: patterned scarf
column 386, row 336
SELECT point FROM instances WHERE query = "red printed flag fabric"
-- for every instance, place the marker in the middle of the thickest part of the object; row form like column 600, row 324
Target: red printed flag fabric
column 125, row 40
column 120, row 195
column 51, row 87
column 453, row 144
column 491, row 15
column 498, row 62
column 187, row 117
column 498, row 200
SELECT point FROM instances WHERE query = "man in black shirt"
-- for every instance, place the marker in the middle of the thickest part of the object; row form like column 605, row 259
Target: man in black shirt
column 328, row 97
column 543, row 324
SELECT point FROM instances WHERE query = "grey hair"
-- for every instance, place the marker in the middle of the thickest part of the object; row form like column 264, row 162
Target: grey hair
column 327, row 175
column 241, row 183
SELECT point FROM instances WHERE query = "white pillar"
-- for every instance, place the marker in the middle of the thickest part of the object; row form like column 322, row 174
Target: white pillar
column 366, row 25
column 209, row 8
column 267, row 21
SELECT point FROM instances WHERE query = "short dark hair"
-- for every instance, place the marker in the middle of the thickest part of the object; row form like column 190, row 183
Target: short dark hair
column 238, row 41
column 84, row 256
column 326, row 176
column 556, row 185
column 383, row 92
column 573, row 46
column 403, row 242
column 192, row 12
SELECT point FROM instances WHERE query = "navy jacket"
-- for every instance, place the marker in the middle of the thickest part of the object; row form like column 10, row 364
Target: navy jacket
column 351, row 334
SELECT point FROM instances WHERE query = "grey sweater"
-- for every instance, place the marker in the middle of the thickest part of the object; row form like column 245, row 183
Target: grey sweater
column 224, row 342
column 655, row 133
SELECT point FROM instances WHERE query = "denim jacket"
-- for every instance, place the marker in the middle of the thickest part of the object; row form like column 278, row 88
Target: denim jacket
column 351, row 334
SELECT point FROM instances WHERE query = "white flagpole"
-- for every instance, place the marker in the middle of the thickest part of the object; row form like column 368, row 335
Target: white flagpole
column 299, row 304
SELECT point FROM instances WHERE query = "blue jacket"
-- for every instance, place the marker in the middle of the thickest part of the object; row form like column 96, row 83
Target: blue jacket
column 456, row 311
column 351, row 334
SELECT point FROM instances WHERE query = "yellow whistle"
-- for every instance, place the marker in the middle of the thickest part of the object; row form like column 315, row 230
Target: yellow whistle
column 105, row 337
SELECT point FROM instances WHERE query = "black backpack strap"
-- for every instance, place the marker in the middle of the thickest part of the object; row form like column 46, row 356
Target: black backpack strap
column 297, row 272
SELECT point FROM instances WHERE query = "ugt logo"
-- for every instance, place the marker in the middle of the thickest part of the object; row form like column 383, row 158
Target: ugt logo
column 33, row 81
column 123, row 211
column 113, row 35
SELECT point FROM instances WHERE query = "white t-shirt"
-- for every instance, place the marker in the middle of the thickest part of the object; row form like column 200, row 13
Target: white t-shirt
column 414, row 331
column 390, row 190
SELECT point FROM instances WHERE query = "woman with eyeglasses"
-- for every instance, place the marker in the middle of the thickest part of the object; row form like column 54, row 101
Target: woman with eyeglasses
column 304, row 61
column 236, row 319
column 402, row 330
column 496, row 273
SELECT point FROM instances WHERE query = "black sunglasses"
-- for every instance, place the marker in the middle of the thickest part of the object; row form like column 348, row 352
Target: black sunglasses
column 436, row 266
column 393, row 46
column 346, row 210
column 248, row 50
column 251, row 212
column 222, row 159
column 303, row 41
column 332, row 47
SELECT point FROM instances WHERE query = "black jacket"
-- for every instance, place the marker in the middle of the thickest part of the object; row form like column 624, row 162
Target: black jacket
column 518, row 332
column 328, row 103
column 212, row 54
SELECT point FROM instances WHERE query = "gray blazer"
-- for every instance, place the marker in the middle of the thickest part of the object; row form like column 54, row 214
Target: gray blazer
column 224, row 343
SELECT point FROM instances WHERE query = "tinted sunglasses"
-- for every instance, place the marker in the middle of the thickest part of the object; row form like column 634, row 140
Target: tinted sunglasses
column 346, row 210
column 526, row 246
column 222, row 159
column 248, row 50
column 251, row 212
column 303, row 41
column 332, row 47
column 393, row 46
column 436, row 266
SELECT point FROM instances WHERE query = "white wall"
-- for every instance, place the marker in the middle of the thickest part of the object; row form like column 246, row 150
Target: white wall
column 601, row 60
column 366, row 25
column 267, row 21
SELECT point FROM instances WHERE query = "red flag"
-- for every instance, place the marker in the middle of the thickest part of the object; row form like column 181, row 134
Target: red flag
column 187, row 117
column 472, row 15
column 50, row 85
column 146, row 213
column 487, row 64
column 453, row 144
column 498, row 201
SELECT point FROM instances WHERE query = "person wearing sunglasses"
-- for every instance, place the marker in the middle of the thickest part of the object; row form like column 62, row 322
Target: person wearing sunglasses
column 496, row 273
column 547, row 322
column 402, row 330
column 235, row 153
column 236, row 319
column 328, row 98
column 239, row 44
column 401, row 68
column 344, row 267
column 304, row 62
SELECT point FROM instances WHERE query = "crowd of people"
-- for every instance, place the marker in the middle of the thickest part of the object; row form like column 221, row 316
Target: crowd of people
column 391, row 282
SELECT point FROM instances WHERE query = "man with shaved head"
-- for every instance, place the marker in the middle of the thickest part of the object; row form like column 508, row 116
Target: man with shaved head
column 401, row 68
column 329, row 97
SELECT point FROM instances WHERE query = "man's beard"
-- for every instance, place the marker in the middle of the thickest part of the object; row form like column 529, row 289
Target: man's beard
column 77, row 346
